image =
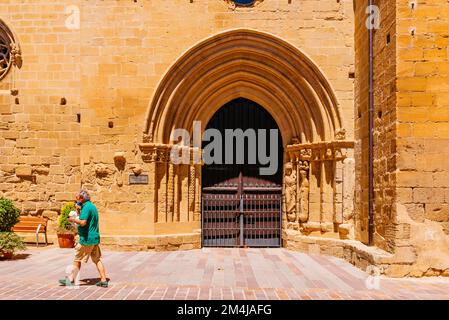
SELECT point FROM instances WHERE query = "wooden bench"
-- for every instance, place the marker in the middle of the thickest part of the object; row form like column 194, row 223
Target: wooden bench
column 32, row 225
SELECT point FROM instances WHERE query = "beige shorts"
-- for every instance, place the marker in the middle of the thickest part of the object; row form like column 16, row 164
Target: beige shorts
column 82, row 253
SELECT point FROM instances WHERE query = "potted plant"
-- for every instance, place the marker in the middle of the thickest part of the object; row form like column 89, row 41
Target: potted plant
column 66, row 231
column 9, row 215
column 9, row 243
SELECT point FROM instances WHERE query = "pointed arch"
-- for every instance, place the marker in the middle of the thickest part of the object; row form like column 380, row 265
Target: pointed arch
column 249, row 64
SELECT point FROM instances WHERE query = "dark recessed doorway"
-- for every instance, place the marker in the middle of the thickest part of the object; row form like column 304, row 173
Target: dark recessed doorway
column 240, row 206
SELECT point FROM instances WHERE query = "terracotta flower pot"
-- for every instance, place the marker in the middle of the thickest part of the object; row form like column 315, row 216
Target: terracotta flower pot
column 66, row 240
column 7, row 255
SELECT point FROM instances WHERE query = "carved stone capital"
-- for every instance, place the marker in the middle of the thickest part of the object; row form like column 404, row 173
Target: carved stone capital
column 319, row 151
column 154, row 152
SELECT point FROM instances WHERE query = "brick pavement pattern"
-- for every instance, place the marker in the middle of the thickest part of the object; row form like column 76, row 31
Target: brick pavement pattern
column 206, row 274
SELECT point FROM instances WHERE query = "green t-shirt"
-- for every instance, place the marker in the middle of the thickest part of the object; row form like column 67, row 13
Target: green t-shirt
column 90, row 233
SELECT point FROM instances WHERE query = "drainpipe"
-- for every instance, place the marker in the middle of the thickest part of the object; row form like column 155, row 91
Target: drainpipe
column 371, row 135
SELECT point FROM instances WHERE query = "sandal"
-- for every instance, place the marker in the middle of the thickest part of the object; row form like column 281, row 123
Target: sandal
column 103, row 284
column 66, row 282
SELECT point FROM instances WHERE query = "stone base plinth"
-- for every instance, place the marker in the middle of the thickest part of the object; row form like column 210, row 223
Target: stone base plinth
column 169, row 242
column 370, row 259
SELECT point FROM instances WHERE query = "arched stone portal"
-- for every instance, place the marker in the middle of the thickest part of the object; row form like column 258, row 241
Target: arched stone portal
column 242, row 186
column 273, row 73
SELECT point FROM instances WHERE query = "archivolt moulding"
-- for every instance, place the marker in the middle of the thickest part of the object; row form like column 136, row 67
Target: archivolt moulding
column 249, row 64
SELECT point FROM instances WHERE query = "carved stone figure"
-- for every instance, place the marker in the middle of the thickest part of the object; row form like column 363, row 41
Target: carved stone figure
column 16, row 55
column 340, row 134
column 290, row 192
column 146, row 138
column 97, row 174
column 295, row 140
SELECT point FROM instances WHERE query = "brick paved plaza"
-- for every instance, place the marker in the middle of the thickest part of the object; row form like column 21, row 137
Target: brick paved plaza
column 206, row 274
column 319, row 124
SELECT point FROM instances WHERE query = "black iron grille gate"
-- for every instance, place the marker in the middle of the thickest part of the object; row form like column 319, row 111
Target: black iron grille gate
column 232, row 220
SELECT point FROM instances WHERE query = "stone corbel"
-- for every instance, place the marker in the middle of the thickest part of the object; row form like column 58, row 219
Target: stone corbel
column 120, row 162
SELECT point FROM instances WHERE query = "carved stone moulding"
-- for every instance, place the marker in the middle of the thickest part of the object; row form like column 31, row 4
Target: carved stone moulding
column 319, row 151
column 158, row 152
column 155, row 152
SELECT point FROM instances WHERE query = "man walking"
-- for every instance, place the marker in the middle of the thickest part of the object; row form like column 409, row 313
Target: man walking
column 89, row 240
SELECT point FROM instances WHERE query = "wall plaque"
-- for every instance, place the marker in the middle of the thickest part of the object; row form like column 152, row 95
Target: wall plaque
column 140, row 179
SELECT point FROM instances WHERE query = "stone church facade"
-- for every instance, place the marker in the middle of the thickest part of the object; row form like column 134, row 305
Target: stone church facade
column 91, row 91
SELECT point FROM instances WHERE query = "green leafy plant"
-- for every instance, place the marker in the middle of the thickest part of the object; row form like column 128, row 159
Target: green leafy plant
column 11, row 242
column 64, row 225
column 9, row 215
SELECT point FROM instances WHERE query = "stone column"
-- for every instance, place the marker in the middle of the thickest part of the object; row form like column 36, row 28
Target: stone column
column 152, row 173
column 304, row 191
column 348, row 188
column 297, row 165
column 197, row 211
column 192, row 183
column 346, row 229
column 315, row 178
column 338, row 192
column 170, row 192
column 327, row 191
column 161, row 178
column 177, row 192
column 183, row 190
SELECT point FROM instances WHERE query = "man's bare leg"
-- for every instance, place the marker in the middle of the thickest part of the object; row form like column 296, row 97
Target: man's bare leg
column 101, row 271
column 76, row 268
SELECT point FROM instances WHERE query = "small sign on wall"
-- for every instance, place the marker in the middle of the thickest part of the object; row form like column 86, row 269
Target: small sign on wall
column 140, row 179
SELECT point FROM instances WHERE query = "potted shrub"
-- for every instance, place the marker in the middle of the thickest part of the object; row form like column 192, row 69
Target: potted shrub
column 9, row 215
column 66, row 231
column 9, row 243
